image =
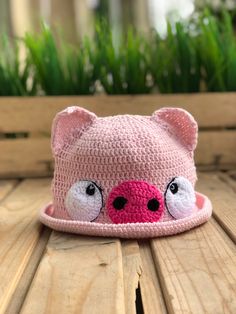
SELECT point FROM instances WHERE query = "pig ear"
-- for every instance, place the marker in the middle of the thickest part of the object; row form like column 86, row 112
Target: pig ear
column 179, row 123
column 67, row 122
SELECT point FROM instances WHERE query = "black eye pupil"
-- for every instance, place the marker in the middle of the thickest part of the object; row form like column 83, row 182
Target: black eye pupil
column 119, row 202
column 174, row 188
column 153, row 204
column 90, row 190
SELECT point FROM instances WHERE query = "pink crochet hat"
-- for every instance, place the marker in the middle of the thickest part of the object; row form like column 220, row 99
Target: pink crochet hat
column 128, row 176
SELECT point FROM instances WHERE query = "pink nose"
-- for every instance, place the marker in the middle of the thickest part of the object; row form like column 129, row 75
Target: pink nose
column 135, row 201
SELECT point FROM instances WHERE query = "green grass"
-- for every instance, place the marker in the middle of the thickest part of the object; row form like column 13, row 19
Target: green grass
column 122, row 70
column 14, row 79
column 196, row 55
column 175, row 61
column 217, row 50
column 60, row 69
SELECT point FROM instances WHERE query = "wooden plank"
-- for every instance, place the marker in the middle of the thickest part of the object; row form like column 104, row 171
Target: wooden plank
column 229, row 178
column 32, row 156
column 152, row 297
column 6, row 186
column 25, row 157
column 139, row 272
column 232, row 174
column 223, row 199
column 78, row 274
column 132, row 272
column 35, row 114
column 21, row 290
column 197, row 270
column 19, row 233
column 216, row 148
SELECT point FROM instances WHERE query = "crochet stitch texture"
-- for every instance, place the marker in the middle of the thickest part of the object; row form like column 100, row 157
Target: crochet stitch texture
column 109, row 151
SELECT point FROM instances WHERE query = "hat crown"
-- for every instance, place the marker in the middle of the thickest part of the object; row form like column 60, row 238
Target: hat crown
column 113, row 149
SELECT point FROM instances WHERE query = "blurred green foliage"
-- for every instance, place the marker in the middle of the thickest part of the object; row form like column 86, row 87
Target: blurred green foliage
column 15, row 79
column 175, row 59
column 122, row 70
column 216, row 46
column 195, row 55
column 60, row 69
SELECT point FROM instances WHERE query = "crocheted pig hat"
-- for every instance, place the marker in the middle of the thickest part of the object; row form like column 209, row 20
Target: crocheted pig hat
column 128, row 176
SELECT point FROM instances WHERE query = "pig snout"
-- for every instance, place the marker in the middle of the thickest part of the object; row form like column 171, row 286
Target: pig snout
column 135, row 201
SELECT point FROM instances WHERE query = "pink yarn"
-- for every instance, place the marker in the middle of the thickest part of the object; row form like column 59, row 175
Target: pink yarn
column 138, row 194
column 131, row 230
column 111, row 150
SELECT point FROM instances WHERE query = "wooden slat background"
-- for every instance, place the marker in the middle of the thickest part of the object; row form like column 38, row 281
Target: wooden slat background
column 89, row 273
column 192, row 269
column 52, row 272
column 31, row 156
column 20, row 232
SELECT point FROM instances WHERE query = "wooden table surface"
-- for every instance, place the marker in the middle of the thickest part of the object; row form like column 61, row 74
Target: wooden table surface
column 51, row 272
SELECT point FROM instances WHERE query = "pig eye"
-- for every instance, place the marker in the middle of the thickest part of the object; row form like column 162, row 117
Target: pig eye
column 180, row 198
column 84, row 201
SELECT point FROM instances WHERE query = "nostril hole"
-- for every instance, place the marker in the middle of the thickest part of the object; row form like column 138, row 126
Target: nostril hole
column 119, row 202
column 153, row 204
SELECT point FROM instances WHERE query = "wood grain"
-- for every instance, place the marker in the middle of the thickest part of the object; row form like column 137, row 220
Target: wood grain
column 35, row 114
column 22, row 287
column 25, row 158
column 132, row 272
column 223, row 199
column 6, row 186
column 229, row 178
column 78, row 275
column 152, row 297
column 19, row 233
column 216, row 148
column 194, row 272
column 232, row 174
column 32, row 156
column 197, row 270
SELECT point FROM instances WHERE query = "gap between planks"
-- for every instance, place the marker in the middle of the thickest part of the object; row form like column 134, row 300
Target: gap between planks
column 36, row 113
column 218, row 187
column 152, row 296
column 197, row 270
column 20, row 293
column 78, row 273
column 32, row 156
column 19, row 233
column 131, row 257
column 139, row 272
column 229, row 178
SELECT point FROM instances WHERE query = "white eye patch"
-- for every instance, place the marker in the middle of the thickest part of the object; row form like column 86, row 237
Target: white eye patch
column 84, row 201
column 180, row 198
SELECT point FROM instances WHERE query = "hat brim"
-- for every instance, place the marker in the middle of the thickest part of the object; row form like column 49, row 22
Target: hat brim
column 130, row 230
